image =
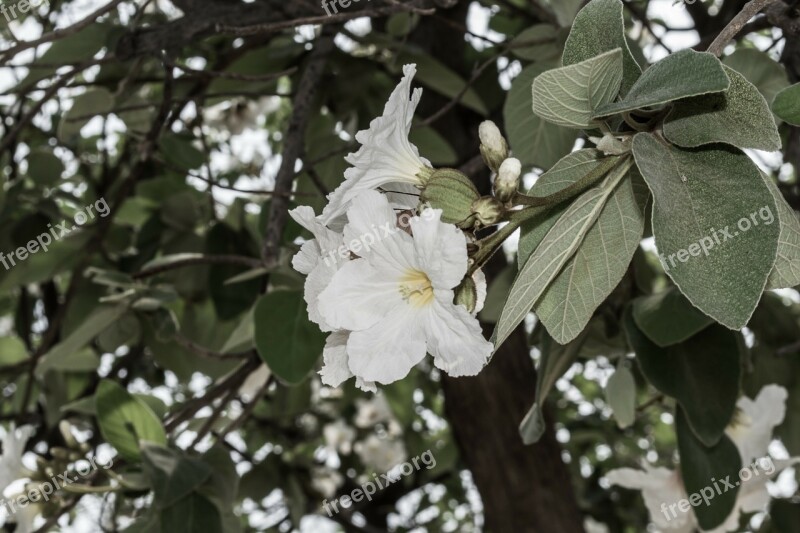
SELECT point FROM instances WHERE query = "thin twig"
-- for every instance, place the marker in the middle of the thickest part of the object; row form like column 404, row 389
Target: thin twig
column 738, row 22
column 239, row 260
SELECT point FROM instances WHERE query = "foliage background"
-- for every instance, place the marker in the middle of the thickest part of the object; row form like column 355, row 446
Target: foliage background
column 201, row 123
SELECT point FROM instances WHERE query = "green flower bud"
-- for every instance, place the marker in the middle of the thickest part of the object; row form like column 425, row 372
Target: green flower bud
column 488, row 210
column 507, row 180
column 467, row 294
column 494, row 148
column 453, row 193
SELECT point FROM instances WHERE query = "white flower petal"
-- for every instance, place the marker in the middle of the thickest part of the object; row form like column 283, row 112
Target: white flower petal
column 454, row 338
column 751, row 429
column 402, row 195
column 316, row 282
column 328, row 240
column 388, row 351
column 441, row 249
column 307, row 258
column 11, row 467
column 659, row 486
column 372, row 226
column 334, row 369
column 358, row 296
column 386, row 155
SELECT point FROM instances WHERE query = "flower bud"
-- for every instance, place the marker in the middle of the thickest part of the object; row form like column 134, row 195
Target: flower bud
column 494, row 148
column 467, row 294
column 507, row 180
column 488, row 210
column 453, row 193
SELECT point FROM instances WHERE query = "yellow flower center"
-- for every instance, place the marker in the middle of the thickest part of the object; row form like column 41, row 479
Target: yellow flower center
column 416, row 288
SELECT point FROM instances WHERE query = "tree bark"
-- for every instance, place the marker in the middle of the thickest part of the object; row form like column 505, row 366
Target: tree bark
column 523, row 488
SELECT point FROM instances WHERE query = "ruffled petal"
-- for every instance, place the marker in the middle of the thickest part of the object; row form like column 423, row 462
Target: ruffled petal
column 441, row 249
column 454, row 337
column 389, row 350
column 386, row 155
column 306, row 259
column 334, row 369
column 316, row 282
column 358, row 296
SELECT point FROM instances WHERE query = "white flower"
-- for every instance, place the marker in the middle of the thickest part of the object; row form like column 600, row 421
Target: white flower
column 326, row 481
column 339, row 436
column 396, row 300
column 381, row 454
column 11, row 467
column 386, row 156
column 752, row 426
column 372, row 411
column 319, row 259
column 25, row 516
column 751, row 432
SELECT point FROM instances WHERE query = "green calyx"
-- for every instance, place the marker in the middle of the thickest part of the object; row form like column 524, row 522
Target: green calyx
column 467, row 294
column 452, row 192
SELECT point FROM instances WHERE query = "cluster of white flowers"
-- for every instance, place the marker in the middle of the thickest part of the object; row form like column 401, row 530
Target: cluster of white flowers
column 390, row 302
column 12, row 469
column 751, row 432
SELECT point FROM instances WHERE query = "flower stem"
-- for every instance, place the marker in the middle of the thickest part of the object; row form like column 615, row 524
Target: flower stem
column 575, row 189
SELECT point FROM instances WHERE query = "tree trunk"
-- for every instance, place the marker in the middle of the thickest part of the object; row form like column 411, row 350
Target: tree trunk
column 523, row 488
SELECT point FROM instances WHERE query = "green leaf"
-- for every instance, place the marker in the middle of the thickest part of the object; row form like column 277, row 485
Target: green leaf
column 85, row 106
column 83, row 360
column 709, row 209
column 95, row 324
column 740, row 117
column 569, row 96
column 701, row 373
column 534, row 141
column 242, row 337
column 599, row 263
column 70, row 49
column 680, row 75
column 540, row 42
column 192, row 514
column 44, row 167
column 787, row 105
column 172, row 475
column 286, row 339
column 230, row 301
column 621, row 396
column 556, row 248
column 598, row 28
column 435, row 147
column 700, row 466
column 125, row 420
column 12, row 351
column 760, row 69
column 568, row 170
column 554, row 361
column 786, row 272
column 668, row 318
column 180, row 151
